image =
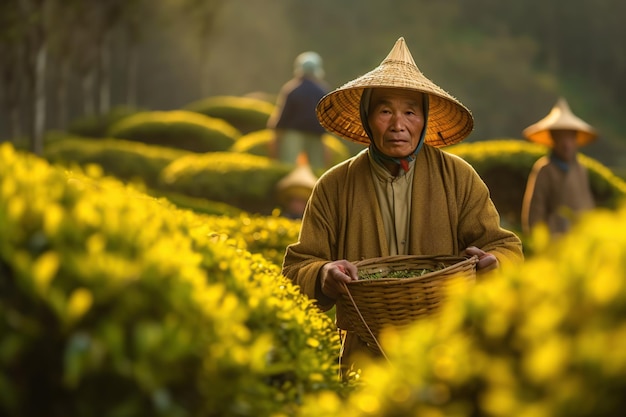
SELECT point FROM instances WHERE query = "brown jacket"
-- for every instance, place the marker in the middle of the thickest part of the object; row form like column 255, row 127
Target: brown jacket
column 450, row 210
column 554, row 196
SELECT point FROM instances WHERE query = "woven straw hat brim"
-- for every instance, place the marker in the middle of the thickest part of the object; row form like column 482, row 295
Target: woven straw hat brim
column 300, row 181
column 544, row 137
column 449, row 121
column 560, row 118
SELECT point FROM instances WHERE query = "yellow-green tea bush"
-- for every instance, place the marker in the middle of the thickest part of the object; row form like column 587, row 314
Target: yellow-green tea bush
column 505, row 165
column 130, row 161
column 265, row 235
column 247, row 114
column 255, row 143
column 542, row 340
column 114, row 303
column 242, row 180
column 177, row 129
column 126, row 160
column 197, row 205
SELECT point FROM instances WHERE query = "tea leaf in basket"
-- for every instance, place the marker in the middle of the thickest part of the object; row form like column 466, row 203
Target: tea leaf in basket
column 402, row 273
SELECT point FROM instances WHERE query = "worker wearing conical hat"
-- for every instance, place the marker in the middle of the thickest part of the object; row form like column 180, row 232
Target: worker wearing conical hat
column 401, row 195
column 293, row 191
column 558, row 189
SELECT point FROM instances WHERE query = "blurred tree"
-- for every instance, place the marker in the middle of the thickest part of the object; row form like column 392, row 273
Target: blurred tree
column 62, row 50
column 134, row 26
column 111, row 12
column 85, row 38
column 202, row 16
column 97, row 23
column 12, row 51
column 38, row 22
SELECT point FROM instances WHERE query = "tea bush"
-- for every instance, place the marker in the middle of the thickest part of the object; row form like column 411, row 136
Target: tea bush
column 265, row 235
column 126, row 160
column 255, row 143
column 247, row 114
column 130, row 161
column 177, row 129
column 114, row 303
column 242, row 180
column 541, row 340
column 142, row 163
column 197, row 205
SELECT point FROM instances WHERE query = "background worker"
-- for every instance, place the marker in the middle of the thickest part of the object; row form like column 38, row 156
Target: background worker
column 558, row 189
column 296, row 128
column 293, row 191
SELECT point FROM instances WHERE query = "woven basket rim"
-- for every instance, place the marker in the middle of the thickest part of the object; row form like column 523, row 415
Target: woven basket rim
column 458, row 262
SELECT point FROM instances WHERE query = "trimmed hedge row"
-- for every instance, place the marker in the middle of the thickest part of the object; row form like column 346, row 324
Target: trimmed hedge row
column 242, row 180
column 114, row 303
column 216, row 193
column 247, row 114
column 177, row 129
column 124, row 159
column 130, row 161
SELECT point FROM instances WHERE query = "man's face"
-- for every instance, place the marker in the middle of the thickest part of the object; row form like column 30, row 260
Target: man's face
column 396, row 118
column 565, row 146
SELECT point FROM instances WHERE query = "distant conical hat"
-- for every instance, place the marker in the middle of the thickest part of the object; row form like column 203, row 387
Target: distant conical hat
column 560, row 118
column 449, row 121
column 298, row 183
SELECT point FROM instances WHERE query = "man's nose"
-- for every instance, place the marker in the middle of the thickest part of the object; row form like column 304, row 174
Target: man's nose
column 397, row 122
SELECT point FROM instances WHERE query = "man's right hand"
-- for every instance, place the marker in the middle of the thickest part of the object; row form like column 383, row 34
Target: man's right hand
column 334, row 274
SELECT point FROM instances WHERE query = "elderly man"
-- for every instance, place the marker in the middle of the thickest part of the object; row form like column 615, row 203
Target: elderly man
column 399, row 196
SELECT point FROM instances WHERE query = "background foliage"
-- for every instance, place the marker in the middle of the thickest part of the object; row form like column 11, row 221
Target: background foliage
column 508, row 63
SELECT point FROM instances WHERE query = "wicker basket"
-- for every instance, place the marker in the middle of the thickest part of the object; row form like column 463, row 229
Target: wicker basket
column 371, row 304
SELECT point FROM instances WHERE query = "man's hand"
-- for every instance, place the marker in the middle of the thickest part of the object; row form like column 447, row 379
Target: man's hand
column 486, row 261
column 334, row 274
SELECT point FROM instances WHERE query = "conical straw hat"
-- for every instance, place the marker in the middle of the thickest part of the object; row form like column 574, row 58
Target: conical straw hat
column 560, row 118
column 449, row 121
column 298, row 183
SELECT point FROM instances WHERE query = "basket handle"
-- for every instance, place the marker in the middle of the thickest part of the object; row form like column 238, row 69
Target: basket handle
column 363, row 320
